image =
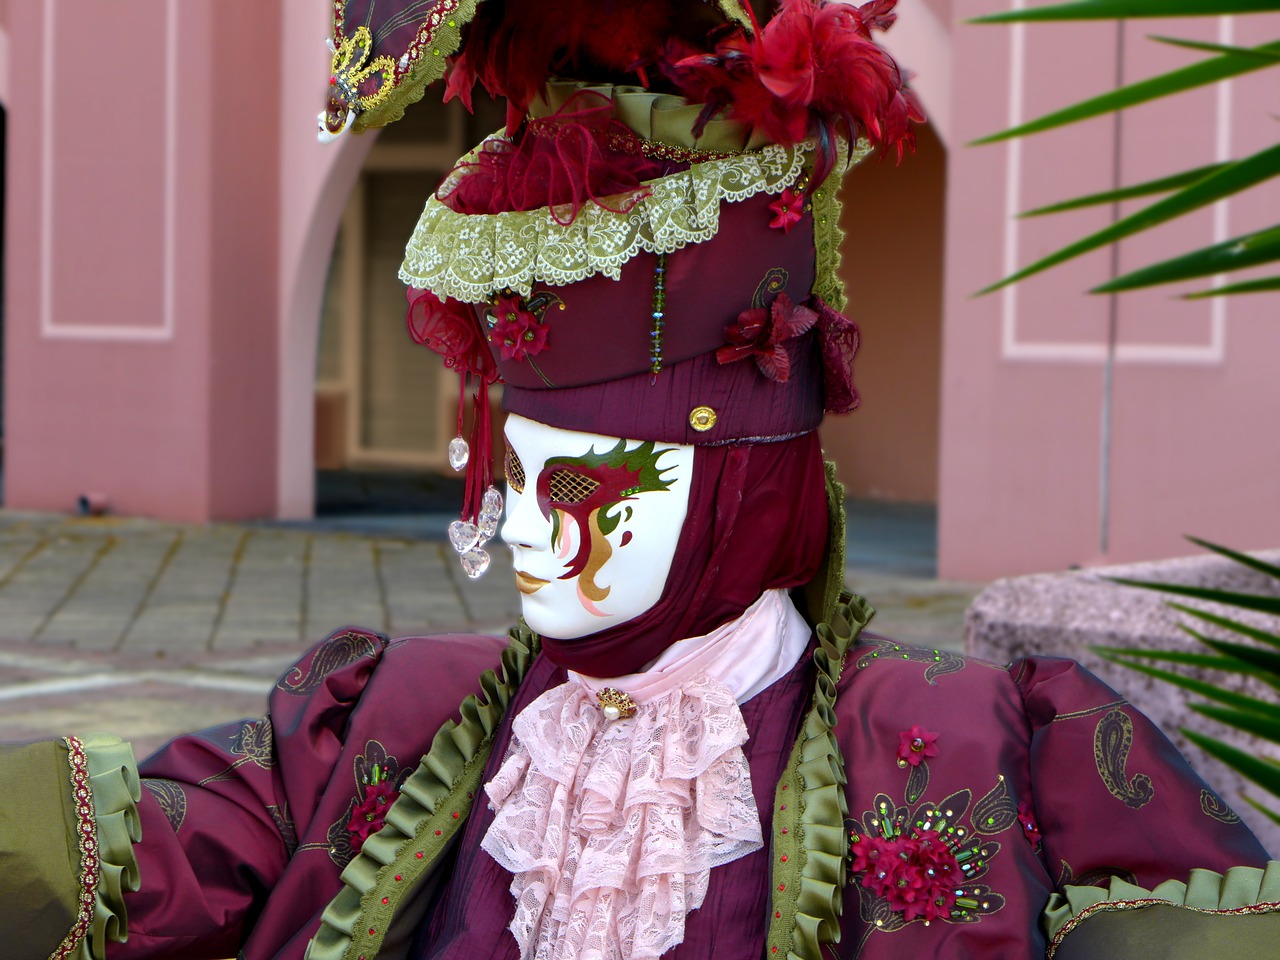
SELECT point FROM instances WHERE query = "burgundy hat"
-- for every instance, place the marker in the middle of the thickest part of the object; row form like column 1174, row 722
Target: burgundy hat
column 655, row 261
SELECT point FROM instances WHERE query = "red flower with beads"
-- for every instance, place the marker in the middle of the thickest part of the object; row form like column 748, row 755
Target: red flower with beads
column 787, row 210
column 763, row 333
column 370, row 814
column 916, row 875
column 516, row 328
column 915, row 745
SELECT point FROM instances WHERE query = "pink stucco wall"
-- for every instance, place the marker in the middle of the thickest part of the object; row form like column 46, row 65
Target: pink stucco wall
column 142, row 260
column 1022, row 481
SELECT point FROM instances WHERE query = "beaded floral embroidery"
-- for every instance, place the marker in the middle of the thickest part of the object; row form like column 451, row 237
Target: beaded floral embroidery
column 378, row 778
column 927, row 862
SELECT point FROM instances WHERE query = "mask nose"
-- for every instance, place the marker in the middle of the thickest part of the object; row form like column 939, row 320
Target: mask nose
column 525, row 526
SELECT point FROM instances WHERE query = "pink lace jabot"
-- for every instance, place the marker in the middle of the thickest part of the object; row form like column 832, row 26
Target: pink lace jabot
column 611, row 828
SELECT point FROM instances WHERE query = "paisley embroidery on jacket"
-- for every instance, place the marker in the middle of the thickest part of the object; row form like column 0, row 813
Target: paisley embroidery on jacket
column 171, row 799
column 253, row 743
column 340, row 650
column 372, row 768
column 935, row 848
column 1212, row 805
column 1112, row 741
column 284, row 823
column 872, row 649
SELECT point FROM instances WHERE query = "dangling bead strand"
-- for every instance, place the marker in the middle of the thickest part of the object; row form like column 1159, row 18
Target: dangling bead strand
column 659, row 315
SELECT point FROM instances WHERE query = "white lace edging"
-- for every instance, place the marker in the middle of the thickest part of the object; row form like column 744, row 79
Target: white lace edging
column 471, row 256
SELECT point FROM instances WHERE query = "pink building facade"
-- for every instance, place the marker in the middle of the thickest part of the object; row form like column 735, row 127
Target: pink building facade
column 171, row 222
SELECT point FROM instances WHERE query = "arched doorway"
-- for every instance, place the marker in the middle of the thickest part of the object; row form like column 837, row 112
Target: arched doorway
column 384, row 407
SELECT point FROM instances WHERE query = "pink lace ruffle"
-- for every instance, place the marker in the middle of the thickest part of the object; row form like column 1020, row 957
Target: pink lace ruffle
column 611, row 828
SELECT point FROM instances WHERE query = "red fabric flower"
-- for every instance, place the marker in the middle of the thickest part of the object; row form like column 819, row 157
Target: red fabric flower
column 1027, row 817
column 370, row 814
column 516, row 328
column 840, row 339
column 763, row 334
column 788, row 210
column 449, row 327
column 916, row 744
column 915, row 875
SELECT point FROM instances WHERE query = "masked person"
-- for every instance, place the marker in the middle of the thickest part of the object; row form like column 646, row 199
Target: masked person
column 690, row 747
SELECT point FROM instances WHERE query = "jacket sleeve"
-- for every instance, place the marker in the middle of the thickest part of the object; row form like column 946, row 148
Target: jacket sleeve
column 1112, row 796
column 1149, row 861
column 239, row 833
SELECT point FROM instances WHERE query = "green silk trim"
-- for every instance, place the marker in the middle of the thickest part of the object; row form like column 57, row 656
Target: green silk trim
column 426, row 70
column 1249, row 890
column 433, row 805
column 117, row 790
column 810, row 805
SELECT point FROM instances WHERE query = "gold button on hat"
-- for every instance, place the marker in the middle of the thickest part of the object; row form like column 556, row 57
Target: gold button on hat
column 702, row 419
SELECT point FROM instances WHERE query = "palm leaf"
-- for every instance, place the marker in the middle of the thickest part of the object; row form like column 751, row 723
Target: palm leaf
column 1163, row 185
column 1205, row 661
column 1245, row 720
column 1227, row 623
column 1166, row 84
column 1264, row 772
column 1260, row 602
column 1261, row 809
column 1238, row 253
column 1230, row 180
column 1253, row 563
column 1264, row 285
column 1111, row 9
column 1260, row 53
column 1201, row 687
column 1265, row 663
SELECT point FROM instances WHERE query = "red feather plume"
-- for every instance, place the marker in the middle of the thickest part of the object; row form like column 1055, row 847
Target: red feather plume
column 812, row 69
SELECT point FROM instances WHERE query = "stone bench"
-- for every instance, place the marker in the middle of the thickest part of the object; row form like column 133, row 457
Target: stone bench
column 1066, row 614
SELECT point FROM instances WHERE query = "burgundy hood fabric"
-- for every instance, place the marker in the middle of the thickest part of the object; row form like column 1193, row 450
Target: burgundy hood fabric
column 757, row 520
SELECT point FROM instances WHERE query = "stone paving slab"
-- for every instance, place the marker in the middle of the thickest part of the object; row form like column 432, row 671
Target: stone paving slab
column 148, row 629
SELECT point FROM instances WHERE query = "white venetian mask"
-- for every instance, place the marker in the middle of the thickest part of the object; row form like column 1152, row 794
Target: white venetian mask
column 593, row 522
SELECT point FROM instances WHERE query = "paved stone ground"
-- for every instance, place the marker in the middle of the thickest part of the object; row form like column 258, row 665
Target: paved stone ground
column 148, row 629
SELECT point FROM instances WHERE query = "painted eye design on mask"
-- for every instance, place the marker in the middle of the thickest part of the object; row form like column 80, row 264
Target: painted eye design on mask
column 570, row 487
column 515, row 472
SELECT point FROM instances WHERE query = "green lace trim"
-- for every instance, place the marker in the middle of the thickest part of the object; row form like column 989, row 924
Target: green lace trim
column 471, row 256
column 827, row 233
column 433, row 805
column 1239, row 890
column 116, row 791
column 810, row 807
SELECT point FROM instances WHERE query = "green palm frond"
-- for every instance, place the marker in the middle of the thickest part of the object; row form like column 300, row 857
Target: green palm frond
column 1258, row 659
column 1186, row 191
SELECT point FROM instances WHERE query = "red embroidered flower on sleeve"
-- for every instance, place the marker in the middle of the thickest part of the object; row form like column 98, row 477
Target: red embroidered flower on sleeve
column 516, row 328
column 787, row 210
column 763, row 333
column 368, row 816
column 915, row 745
column 915, row 875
